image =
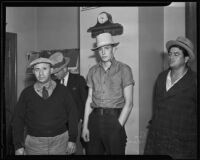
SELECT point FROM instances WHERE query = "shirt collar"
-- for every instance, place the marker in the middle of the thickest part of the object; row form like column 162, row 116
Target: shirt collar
column 66, row 76
column 48, row 85
column 113, row 62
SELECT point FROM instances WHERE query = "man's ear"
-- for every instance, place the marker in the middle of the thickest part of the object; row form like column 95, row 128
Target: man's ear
column 114, row 49
column 52, row 70
column 187, row 59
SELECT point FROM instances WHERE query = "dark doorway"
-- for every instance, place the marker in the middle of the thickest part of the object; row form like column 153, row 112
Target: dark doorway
column 10, row 86
column 191, row 27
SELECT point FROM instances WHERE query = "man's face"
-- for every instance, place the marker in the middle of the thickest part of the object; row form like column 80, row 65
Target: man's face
column 106, row 53
column 176, row 58
column 61, row 74
column 42, row 72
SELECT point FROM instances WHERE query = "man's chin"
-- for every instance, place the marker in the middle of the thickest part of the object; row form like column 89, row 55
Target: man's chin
column 43, row 82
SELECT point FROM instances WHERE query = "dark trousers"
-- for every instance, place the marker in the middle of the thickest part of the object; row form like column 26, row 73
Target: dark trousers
column 107, row 136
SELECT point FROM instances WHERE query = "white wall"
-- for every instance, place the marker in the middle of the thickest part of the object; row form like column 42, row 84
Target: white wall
column 57, row 28
column 151, row 28
column 22, row 20
column 174, row 23
column 40, row 28
column 127, row 52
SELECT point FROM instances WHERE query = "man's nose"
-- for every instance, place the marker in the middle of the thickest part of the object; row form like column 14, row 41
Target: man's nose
column 103, row 50
column 41, row 72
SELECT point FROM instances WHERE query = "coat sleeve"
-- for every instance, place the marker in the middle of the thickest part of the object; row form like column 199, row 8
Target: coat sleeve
column 72, row 117
column 83, row 88
column 19, row 122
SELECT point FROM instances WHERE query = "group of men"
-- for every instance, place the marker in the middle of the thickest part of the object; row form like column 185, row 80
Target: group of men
column 58, row 114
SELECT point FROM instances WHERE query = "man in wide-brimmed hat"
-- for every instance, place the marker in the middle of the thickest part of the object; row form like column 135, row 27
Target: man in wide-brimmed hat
column 44, row 110
column 76, row 84
column 173, row 128
column 109, row 102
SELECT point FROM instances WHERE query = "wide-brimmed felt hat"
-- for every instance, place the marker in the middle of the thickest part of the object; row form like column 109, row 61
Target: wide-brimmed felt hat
column 104, row 39
column 59, row 61
column 184, row 43
column 40, row 60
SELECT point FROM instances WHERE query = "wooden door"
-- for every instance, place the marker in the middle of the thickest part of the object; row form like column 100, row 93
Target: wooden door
column 10, row 73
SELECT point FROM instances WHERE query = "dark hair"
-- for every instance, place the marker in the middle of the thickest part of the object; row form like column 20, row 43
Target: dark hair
column 185, row 52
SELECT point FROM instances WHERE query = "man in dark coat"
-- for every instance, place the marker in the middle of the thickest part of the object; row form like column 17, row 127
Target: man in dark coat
column 76, row 84
column 173, row 128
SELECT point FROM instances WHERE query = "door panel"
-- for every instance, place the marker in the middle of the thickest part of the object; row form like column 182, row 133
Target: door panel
column 10, row 86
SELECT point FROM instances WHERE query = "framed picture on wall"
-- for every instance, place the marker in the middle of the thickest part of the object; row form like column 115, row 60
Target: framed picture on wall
column 73, row 66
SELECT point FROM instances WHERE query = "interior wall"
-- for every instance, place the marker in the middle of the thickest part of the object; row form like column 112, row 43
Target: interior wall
column 174, row 24
column 22, row 20
column 127, row 52
column 40, row 28
column 151, row 28
column 57, row 27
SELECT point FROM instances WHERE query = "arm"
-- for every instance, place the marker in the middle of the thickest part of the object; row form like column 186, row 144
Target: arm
column 128, row 95
column 88, row 110
column 83, row 88
column 19, row 124
column 73, row 124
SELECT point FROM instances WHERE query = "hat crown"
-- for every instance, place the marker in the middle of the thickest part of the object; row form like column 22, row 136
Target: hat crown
column 40, row 60
column 104, row 39
column 186, row 42
column 56, row 57
column 59, row 61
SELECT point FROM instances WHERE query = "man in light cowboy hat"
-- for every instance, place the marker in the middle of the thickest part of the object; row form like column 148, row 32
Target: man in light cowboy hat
column 109, row 102
column 173, row 127
column 44, row 110
column 76, row 84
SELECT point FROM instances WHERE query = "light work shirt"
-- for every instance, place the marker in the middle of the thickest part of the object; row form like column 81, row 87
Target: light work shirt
column 108, row 85
column 50, row 86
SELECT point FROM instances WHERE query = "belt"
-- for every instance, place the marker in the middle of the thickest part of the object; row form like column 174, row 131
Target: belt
column 111, row 111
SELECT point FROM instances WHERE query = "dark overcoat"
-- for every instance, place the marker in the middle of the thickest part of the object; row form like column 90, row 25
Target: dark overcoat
column 173, row 128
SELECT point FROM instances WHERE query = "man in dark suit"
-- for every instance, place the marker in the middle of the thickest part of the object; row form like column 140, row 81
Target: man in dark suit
column 77, row 85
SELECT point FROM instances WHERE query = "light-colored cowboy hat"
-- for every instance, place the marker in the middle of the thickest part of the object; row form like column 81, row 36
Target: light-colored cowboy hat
column 183, row 42
column 59, row 61
column 104, row 39
column 40, row 60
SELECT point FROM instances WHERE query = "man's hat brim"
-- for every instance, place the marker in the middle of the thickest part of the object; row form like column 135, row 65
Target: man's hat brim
column 59, row 66
column 40, row 60
column 113, row 44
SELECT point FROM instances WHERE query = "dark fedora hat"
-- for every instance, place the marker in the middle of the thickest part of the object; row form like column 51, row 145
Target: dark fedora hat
column 59, row 61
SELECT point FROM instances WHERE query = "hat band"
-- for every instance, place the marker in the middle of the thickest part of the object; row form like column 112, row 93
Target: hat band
column 57, row 65
column 186, row 45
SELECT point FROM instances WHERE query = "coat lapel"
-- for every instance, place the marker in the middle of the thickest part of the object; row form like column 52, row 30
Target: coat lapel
column 179, row 87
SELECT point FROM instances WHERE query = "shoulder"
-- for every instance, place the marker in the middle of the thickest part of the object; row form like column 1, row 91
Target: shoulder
column 123, row 66
column 163, row 74
column 76, row 76
column 93, row 69
column 27, row 90
column 193, row 75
